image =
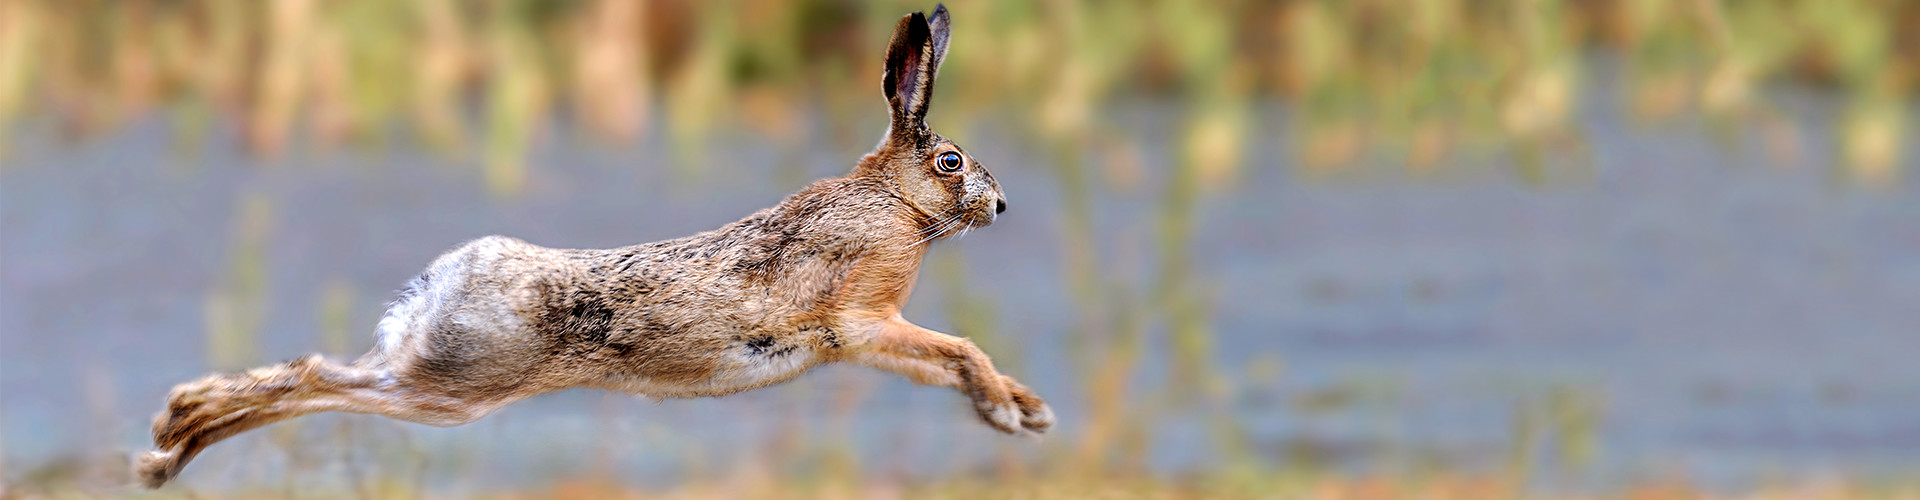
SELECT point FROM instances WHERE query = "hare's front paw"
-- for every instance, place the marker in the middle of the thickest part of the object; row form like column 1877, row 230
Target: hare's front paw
column 1034, row 414
column 1018, row 412
column 1000, row 413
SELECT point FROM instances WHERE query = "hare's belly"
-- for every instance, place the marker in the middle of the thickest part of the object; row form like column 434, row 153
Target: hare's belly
column 752, row 363
column 762, row 367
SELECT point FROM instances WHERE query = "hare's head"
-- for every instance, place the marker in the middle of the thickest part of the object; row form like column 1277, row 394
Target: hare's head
column 948, row 189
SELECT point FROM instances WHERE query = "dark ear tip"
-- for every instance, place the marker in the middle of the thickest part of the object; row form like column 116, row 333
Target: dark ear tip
column 912, row 30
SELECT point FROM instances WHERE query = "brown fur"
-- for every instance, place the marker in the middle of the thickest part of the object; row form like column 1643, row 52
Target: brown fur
column 819, row 278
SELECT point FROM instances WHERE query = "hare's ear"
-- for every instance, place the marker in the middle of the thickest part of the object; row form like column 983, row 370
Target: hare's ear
column 912, row 58
column 938, row 26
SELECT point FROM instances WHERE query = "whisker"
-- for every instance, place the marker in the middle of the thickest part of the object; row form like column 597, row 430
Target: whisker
column 935, row 234
column 938, row 217
column 968, row 229
column 941, row 229
column 941, row 224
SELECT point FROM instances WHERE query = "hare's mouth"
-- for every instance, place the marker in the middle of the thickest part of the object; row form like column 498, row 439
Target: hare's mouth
column 981, row 216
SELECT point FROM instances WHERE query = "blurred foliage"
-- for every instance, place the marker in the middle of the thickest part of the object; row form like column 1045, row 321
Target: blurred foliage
column 1417, row 83
column 1424, row 79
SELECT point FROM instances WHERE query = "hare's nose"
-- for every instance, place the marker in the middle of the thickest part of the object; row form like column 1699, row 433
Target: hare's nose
column 999, row 206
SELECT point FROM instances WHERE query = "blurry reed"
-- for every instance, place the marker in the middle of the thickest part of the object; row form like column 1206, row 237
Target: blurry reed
column 1426, row 78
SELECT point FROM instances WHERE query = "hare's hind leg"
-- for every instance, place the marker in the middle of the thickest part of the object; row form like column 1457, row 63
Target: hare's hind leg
column 194, row 405
column 214, row 408
column 934, row 358
column 157, row 467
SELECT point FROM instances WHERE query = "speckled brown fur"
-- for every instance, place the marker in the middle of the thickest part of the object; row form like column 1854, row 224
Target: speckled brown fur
column 819, row 278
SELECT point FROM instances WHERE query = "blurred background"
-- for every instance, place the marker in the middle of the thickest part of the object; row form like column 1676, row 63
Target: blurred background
column 1465, row 249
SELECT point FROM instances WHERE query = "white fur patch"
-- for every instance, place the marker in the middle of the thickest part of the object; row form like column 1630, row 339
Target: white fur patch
column 1005, row 416
column 393, row 327
column 758, row 370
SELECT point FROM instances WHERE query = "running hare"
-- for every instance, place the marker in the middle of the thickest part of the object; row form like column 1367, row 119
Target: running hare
column 819, row 278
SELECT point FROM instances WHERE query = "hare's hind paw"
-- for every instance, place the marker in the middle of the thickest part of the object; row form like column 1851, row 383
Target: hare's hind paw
column 154, row 468
column 188, row 408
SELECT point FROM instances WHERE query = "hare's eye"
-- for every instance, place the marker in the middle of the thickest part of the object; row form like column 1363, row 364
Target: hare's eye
column 950, row 162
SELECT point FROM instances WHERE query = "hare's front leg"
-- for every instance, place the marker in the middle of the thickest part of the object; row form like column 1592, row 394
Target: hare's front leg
column 934, row 358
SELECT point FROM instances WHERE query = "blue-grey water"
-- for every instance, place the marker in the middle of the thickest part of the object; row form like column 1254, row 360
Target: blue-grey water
column 1730, row 315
